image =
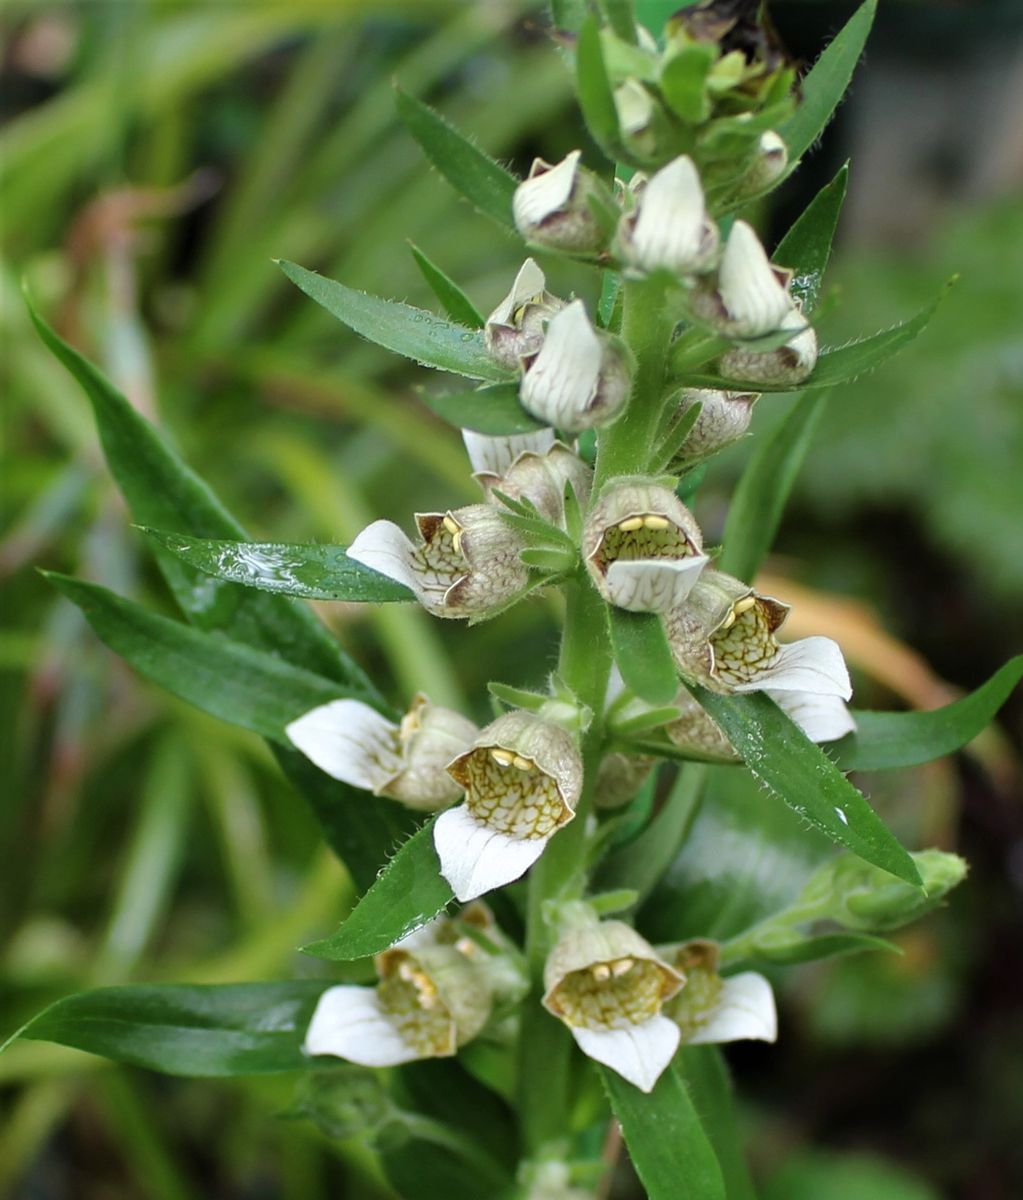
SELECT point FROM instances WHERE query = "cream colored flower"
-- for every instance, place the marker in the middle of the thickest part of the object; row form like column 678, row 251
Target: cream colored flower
column 551, row 207
column 514, row 330
column 669, row 228
column 712, row 1009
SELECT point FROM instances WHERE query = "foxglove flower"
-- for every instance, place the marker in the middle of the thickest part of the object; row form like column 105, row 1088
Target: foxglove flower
column 790, row 363
column 723, row 418
column 352, row 742
column 821, row 718
column 723, row 637
column 669, row 229
column 531, row 467
column 522, row 778
column 642, row 547
column 712, row 1009
column 581, row 376
column 607, row 984
column 514, row 330
column 551, row 207
column 752, row 295
column 430, row 999
column 468, row 564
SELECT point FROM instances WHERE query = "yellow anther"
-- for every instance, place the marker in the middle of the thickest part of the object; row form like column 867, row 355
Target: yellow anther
column 407, row 972
column 466, row 946
column 631, row 524
column 523, row 764
column 744, row 605
column 456, row 541
column 600, row 971
column 503, row 758
column 655, row 522
column 729, row 621
column 622, row 967
column 451, row 525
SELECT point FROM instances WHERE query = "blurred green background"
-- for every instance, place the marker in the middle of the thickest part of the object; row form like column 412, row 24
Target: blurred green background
column 156, row 156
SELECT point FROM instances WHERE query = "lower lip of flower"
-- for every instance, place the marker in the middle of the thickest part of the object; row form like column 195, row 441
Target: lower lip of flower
column 410, row 999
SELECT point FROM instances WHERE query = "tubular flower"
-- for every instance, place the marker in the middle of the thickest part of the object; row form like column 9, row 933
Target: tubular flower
column 723, row 418
column 539, row 476
column 551, row 207
column 790, row 363
column 723, row 637
column 669, row 229
column 514, row 330
column 752, row 295
column 607, row 984
column 352, row 742
column 642, row 547
column 712, row 1009
column 821, row 718
column 581, row 376
column 430, row 999
column 467, row 565
column 522, row 778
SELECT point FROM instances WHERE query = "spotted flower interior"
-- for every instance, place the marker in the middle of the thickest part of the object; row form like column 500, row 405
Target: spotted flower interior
column 510, row 793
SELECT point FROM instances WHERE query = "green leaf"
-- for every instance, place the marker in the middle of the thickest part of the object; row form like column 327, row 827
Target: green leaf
column 667, row 1143
column 409, row 892
column 493, row 410
column 419, row 335
column 487, row 186
column 763, row 490
column 684, row 78
column 706, row 1073
column 778, row 753
column 885, row 740
column 824, row 85
column 229, row 680
column 226, row 1029
column 806, row 248
column 620, row 18
column 162, row 491
column 456, row 303
column 312, row 571
column 643, row 656
column 594, row 88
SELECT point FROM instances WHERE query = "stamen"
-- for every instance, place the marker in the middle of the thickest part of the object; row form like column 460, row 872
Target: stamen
column 631, row 524
column 523, row 764
column 503, row 758
column 744, row 605
column 451, row 525
column 600, row 971
column 622, row 967
column 655, row 522
column 729, row 621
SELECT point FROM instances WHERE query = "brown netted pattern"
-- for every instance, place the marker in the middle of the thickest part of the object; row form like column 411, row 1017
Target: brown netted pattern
column 626, row 991
column 745, row 645
column 640, row 538
column 410, row 999
column 511, row 795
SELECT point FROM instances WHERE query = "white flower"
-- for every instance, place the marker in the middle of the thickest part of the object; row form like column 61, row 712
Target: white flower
column 580, row 378
column 607, row 984
column 791, row 363
column 642, row 547
column 752, row 296
column 551, row 206
column 723, row 636
column 514, row 330
column 522, row 779
column 430, row 1000
column 494, row 455
column 538, row 473
column 711, row 1009
column 352, row 742
column 669, row 229
column 467, row 566
column 723, row 418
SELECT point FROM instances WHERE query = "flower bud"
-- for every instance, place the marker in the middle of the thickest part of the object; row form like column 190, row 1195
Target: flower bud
column 752, row 296
column 581, row 377
column 867, row 898
column 541, row 478
column 723, row 419
column 669, row 228
column 791, row 363
column 514, row 330
column 714, row 1010
column 352, row 742
column 467, row 565
column 769, row 165
column 607, row 984
column 522, row 779
column 619, row 779
column 642, row 547
column 551, row 207
column 723, row 636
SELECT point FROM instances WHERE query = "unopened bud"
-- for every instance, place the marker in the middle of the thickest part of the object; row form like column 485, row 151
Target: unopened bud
column 514, row 330
column 669, row 229
column 867, row 898
column 723, row 419
column 552, row 206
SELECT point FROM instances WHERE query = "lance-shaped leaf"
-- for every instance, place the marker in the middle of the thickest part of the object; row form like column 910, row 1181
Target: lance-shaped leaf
column 706, row 1075
column 493, row 410
column 885, row 740
column 806, row 248
column 229, row 680
column 763, row 491
column 824, row 85
column 838, row 365
column 484, row 183
column 456, row 303
column 643, row 656
column 312, row 571
column 409, row 892
column 225, row 1029
column 779, row 754
column 666, row 1140
column 804, row 949
column 594, row 88
column 421, row 336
